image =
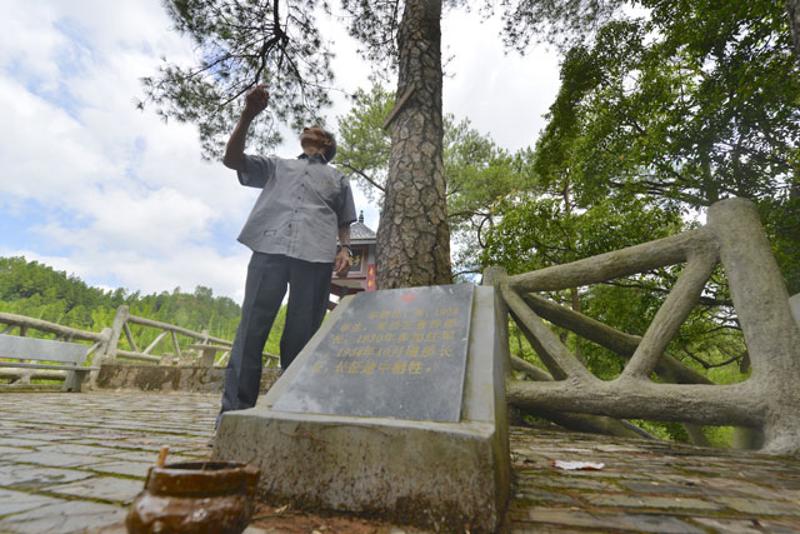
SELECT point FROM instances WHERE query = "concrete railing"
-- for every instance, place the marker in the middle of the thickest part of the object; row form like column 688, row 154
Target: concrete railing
column 768, row 401
column 98, row 344
column 121, row 326
column 207, row 349
column 202, row 349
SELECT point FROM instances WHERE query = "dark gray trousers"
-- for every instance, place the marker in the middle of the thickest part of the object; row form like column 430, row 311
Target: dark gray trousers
column 267, row 278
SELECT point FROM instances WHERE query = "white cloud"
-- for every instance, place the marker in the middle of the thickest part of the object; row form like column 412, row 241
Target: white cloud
column 44, row 151
column 502, row 92
column 28, row 41
column 158, row 223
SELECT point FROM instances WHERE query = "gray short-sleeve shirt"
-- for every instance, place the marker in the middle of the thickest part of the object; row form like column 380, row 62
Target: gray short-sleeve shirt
column 302, row 204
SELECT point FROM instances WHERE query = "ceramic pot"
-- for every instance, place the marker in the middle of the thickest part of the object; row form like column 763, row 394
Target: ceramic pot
column 194, row 498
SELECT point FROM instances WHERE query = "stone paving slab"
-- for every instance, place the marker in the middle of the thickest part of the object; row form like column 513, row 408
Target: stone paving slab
column 72, row 463
column 23, row 476
column 101, row 488
column 600, row 521
column 648, row 486
column 130, row 469
column 53, row 459
column 75, row 461
column 12, row 502
column 63, row 517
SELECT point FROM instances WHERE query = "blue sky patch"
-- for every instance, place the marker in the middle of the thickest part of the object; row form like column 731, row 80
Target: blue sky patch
column 20, row 223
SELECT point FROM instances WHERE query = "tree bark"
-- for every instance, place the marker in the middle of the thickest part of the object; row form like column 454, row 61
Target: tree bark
column 793, row 11
column 413, row 245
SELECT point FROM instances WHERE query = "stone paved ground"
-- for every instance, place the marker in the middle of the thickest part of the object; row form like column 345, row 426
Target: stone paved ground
column 648, row 486
column 72, row 463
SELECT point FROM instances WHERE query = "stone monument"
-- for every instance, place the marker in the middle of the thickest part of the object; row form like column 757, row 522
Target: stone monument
column 396, row 407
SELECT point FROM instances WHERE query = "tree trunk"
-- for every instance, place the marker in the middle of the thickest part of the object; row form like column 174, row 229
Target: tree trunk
column 793, row 10
column 413, row 247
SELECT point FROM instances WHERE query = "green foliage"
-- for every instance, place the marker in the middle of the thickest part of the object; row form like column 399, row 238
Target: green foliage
column 540, row 231
column 36, row 290
column 657, row 118
column 479, row 175
column 364, row 145
column 719, row 436
column 563, row 22
column 241, row 44
column 30, row 288
column 695, row 102
column 669, row 431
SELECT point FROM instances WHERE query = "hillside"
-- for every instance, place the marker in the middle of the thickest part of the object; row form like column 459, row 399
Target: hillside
column 36, row 290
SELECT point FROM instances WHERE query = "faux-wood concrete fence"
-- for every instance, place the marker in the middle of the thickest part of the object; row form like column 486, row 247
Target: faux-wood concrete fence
column 768, row 401
column 204, row 350
column 207, row 346
column 98, row 344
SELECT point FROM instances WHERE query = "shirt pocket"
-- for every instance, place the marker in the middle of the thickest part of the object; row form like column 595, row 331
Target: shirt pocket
column 326, row 187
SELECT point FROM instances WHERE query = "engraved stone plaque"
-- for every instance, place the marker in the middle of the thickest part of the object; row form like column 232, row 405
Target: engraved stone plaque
column 395, row 353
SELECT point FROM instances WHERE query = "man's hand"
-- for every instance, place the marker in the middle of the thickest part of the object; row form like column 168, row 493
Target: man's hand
column 254, row 103
column 342, row 263
column 256, row 100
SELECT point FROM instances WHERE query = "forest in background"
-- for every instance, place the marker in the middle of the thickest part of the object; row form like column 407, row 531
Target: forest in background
column 36, row 290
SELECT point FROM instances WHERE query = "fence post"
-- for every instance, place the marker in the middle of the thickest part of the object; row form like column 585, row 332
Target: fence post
column 206, row 357
column 120, row 318
column 99, row 357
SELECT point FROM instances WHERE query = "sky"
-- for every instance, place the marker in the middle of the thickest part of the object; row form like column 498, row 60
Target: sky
column 94, row 187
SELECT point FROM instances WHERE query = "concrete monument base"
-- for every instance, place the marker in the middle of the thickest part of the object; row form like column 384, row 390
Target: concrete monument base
column 438, row 474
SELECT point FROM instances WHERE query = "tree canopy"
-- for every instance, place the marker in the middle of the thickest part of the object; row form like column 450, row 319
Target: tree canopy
column 239, row 45
column 695, row 102
column 279, row 42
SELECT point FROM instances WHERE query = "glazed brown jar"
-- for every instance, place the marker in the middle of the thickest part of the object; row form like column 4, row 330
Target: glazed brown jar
column 195, row 498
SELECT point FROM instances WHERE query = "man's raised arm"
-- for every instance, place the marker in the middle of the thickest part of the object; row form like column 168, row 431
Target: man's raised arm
column 255, row 102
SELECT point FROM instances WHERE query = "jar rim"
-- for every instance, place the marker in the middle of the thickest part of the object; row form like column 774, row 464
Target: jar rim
column 201, row 478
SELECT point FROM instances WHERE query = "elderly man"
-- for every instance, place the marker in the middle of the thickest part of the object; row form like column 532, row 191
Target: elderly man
column 292, row 232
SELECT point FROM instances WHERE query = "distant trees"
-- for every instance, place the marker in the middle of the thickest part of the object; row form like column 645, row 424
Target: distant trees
column 37, row 290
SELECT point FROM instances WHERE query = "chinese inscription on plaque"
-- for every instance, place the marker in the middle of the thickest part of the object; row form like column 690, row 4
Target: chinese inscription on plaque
column 395, row 353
